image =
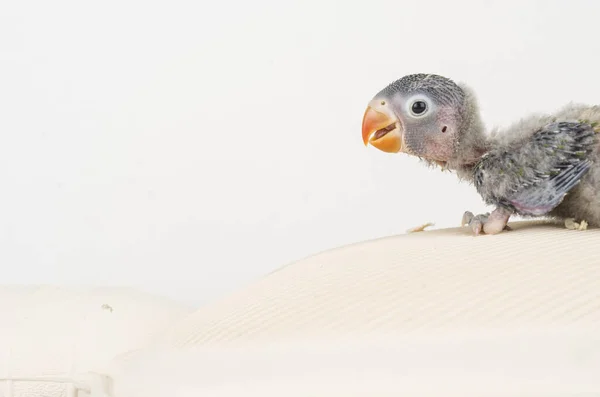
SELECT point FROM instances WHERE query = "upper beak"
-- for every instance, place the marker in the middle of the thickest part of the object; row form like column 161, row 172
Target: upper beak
column 381, row 128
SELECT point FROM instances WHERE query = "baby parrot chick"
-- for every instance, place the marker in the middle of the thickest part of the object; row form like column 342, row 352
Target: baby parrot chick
column 540, row 166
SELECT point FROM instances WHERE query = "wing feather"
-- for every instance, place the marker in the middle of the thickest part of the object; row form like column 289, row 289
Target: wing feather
column 537, row 175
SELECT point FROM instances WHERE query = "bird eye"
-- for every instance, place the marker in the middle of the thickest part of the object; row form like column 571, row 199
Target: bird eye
column 418, row 108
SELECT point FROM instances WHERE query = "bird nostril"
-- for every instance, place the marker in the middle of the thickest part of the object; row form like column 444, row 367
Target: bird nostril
column 444, row 129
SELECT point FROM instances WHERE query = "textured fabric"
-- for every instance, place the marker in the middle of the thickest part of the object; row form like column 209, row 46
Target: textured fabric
column 538, row 275
column 438, row 313
column 526, row 363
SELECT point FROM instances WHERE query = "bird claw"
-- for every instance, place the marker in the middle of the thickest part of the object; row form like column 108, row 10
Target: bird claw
column 466, row 219
column 572, row 225
column 475, row 222
column 485, row 223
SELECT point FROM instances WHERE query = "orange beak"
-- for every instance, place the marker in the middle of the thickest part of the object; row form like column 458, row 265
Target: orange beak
column 380, row 129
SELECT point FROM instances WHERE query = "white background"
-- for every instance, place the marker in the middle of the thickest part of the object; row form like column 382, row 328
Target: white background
column 188, row 148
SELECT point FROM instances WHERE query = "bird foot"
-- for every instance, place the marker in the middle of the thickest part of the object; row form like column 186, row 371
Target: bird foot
column 486, row 223
column 475, row 222
column 572, row 225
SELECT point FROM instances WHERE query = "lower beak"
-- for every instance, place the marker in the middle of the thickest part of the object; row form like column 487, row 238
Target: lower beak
column 381, row 130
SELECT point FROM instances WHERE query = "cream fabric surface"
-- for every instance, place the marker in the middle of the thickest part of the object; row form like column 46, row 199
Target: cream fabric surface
column 440, row 313
column 56, row 336
column 536, row 275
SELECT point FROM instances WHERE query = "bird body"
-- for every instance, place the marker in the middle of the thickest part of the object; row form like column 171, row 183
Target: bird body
column 542, row 165
column 536, row 164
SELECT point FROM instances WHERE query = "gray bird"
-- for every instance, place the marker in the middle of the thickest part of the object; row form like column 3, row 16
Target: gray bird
column 540, row 166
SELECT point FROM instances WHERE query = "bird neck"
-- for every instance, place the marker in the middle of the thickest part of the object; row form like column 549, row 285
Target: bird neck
column 470, row 147
column 472, row 142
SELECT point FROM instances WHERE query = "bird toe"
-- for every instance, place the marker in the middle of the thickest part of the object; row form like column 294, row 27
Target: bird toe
column 467, row 218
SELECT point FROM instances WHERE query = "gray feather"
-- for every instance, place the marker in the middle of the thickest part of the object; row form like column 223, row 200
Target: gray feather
column 534, row 177
column 542, row 197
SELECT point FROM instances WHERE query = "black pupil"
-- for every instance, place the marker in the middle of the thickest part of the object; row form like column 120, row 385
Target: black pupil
column 419, row 107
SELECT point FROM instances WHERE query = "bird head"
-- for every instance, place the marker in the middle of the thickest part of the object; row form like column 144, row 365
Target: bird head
column 419, row 114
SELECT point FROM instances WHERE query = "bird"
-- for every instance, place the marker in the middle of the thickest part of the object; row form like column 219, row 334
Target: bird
column 542, row 165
